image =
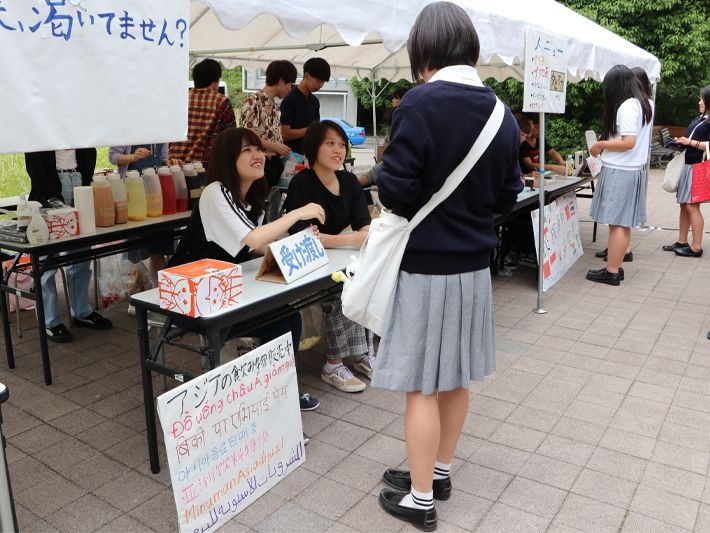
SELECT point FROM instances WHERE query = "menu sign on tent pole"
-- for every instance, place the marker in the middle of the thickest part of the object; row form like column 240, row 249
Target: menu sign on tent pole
column 545, row 82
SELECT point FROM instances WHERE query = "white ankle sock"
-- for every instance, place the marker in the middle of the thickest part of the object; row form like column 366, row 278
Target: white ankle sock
column 418, row 500
column 329, row 368
column 441, row 470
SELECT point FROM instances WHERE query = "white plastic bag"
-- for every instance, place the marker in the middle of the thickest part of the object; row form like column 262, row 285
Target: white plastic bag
column 120, row 278
column 671, row 178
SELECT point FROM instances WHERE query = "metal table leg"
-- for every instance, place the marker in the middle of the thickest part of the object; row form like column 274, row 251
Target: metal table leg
column 39, row 306
column 148, row 402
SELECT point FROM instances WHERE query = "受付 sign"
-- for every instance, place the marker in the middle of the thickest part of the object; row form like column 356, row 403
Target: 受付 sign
column 292, row 258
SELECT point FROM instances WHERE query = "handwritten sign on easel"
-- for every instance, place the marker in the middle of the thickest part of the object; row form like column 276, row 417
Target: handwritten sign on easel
column 545, row 85
column 292, row 258
column 231, row 434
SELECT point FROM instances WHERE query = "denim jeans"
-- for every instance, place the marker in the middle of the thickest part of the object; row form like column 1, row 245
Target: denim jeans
column 78, row 278
column 69, row 180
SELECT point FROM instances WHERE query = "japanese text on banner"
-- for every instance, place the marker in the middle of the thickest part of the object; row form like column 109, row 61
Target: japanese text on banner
column 90, row 64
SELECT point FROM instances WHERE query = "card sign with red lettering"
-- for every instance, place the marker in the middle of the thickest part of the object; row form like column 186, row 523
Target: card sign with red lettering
column 231, row 434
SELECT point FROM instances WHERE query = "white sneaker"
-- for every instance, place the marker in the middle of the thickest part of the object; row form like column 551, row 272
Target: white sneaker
column 342, row 379
column 365, row 365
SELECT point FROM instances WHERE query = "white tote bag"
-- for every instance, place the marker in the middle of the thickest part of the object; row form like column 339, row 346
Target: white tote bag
column 674, row 169
column 371, row 282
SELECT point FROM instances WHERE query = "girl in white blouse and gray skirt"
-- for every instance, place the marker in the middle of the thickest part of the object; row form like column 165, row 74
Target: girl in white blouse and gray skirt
column 620, row 198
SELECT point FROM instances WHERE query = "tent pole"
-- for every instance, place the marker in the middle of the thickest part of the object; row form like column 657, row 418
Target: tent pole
column 541, row 218
column 373, row 96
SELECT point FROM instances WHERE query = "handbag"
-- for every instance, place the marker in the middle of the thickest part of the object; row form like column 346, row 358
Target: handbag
column 370, row 283
column 700, row 188
column 674, row 169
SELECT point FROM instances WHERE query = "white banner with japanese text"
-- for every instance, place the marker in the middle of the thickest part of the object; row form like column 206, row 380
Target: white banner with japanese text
column 232, row 433
column 84, row 73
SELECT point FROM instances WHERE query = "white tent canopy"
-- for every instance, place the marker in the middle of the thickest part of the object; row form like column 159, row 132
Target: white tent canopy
column 368, row 37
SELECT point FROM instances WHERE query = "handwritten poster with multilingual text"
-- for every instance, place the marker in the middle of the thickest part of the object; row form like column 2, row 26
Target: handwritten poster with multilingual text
column 562, row 244
column 545, row 85
column 292, row 257
column 84, row 73
column 231, row 434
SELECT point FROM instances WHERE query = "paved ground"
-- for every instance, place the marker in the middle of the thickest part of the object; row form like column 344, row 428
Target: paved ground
column 598, row 419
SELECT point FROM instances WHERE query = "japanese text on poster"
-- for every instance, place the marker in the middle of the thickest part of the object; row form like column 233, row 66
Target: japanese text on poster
column 562, row 244
column 545, row 85
column 76, row 69
column 231, row 434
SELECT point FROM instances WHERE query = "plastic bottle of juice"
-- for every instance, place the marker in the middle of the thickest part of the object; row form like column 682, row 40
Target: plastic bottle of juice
column 135, row 191
column 181, row 195
column 167, row 188
column 104, row 211
column 153, row 194
column 193, row 182
column 120, row 199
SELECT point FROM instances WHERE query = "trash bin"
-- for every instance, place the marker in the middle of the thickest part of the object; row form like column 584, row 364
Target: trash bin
column 8, row 518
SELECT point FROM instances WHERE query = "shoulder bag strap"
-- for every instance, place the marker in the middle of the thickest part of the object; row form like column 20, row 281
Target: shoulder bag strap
column 461, row 171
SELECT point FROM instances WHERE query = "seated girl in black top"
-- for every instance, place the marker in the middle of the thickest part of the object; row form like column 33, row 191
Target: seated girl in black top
column 226, row 224
column 341, row 196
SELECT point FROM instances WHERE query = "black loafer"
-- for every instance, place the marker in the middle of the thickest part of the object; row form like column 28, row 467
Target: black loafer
column 673, row 247
column 602, row 253
column 628, row 258
column 402, row 480
column 604, row 276
column 621, row 274
column 687, row 251
column 424, row 519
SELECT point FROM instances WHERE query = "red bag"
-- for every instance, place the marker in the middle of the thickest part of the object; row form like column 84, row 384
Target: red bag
column 700, row 190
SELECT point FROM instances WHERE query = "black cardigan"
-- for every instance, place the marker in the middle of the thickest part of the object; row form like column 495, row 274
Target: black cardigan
column 42, row 169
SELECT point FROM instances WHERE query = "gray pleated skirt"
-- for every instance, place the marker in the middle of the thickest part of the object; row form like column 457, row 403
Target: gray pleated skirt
column 441, row 333
column 620, row 198
column 685, row 184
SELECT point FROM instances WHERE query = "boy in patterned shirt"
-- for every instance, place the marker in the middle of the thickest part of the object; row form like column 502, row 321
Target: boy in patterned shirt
column 261, row 114
column 209, row 112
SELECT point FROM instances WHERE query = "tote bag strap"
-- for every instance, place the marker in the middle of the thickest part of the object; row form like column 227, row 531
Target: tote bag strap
column 461, row 171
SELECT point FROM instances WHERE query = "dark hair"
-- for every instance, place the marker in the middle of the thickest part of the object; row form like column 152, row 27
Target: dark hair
column 642, row 78
column 280, row 70
column 705, row 96
column 399, row 92
column 318, row 68
column 619, row 85
column 223, row 168
column 524, row 123
column 442, row 35
column 206, row 72
column 315, row 135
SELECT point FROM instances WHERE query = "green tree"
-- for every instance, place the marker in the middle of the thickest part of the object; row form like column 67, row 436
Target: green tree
column 384, row 89
column 675, row 31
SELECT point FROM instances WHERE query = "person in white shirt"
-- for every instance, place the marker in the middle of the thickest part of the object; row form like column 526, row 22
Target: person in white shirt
column 620, row 197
